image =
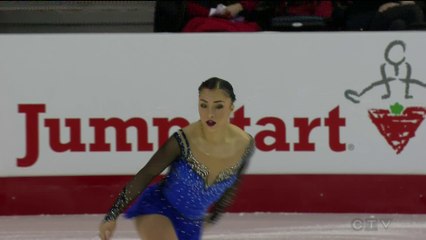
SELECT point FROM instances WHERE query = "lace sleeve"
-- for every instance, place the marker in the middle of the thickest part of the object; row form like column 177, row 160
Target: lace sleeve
column 158, row 162
column 227, row 198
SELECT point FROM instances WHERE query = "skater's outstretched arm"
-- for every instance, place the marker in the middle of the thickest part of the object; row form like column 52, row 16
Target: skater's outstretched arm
column 158, row 162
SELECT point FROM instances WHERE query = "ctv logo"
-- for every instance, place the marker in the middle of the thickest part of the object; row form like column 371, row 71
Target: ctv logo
column 398, row 124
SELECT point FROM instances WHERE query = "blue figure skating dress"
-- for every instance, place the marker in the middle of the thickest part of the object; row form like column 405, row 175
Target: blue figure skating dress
column 184, row 195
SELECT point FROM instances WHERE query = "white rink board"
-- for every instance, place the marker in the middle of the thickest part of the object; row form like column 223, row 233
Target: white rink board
column 280, row 75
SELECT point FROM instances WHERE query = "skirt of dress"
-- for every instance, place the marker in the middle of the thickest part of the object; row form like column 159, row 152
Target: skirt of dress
column 152, row 201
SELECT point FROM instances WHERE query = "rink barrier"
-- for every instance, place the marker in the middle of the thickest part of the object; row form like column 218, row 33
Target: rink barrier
column 337, row 118
column 258, row 193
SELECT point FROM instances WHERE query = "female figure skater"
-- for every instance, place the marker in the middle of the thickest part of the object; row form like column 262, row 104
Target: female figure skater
column 206, row 160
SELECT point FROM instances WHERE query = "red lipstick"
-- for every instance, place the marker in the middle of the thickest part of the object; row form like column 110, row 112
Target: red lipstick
column 210, row 123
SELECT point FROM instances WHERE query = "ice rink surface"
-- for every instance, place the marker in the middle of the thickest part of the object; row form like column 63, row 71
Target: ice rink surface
column 232, row 226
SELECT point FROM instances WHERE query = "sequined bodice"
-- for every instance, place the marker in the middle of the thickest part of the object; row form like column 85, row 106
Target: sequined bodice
column 186, row 186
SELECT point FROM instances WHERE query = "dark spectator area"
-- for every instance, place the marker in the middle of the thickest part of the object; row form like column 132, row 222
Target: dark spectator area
column 209, row 16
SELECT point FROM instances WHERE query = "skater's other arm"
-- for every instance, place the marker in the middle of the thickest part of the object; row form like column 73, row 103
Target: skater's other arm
column 227, row 198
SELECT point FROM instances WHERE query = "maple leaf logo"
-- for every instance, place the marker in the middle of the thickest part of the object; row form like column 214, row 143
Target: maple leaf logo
column 397, row 126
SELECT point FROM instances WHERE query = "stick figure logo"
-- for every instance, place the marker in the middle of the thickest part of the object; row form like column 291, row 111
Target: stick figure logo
column 398, row 125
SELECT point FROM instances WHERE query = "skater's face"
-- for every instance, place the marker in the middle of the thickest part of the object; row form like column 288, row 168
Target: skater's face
column 215, row 108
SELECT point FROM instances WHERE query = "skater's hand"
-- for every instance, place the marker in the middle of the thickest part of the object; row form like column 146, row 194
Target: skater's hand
column 106, row 229
column 207, row 225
